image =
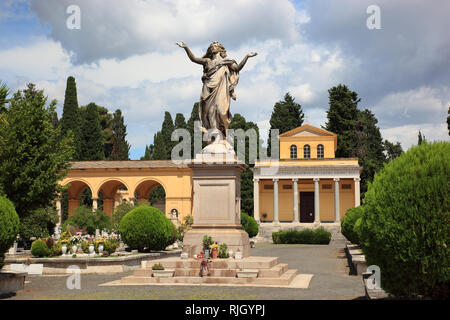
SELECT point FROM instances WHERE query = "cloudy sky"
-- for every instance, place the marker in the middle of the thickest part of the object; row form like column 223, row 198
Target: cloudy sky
column 124, row 56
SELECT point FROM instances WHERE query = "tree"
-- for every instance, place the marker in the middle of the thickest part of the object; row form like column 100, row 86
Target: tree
column 286, row 115
column 421, row 139
column 71, row 117
column 166, row 132
column 239, row 122
column 342, row 115
column 160, row 151
column 33, row 156
column 121, row 147
column 190, row 125
column 106, row 124
column 180, row 122
column 148, row 152
column 392, row 150
column 92, row 147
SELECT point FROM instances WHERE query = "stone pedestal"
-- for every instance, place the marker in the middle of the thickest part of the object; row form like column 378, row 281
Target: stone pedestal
column 217, row 200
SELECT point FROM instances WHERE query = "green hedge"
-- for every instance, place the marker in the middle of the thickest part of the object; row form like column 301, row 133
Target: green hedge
column 148, row 228
column 405, row 228
column 249, row 224
column 87, row 221
column 348, row 224
column 307, row 236
column 40, row 249
column 9, row 226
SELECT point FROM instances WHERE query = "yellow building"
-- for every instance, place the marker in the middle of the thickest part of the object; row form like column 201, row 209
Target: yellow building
column 307, row 184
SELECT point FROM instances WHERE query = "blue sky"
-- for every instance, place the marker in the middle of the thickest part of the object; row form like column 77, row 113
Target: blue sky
column 124, row 57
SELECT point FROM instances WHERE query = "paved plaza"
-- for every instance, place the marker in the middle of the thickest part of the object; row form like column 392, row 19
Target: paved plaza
column 327, row 263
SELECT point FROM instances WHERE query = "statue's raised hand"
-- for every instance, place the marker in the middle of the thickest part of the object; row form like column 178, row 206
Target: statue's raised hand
column 251, row 54
column 181, row 44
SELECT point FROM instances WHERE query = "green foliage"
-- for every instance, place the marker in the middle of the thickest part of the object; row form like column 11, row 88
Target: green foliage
column 145, row 227
column 160, row 148
column 207, row 242
column 223, row 251
column 421, row 138
column 56, row 249
column 111, row 246
column 158, row 193
column 185, row 226
column 307, row 236
column 157, row 266
column 92, row 143
column 166, row 132
column 120, row 146
column 33, row 158
column 180, row 122
column 87, row 221
column 119, row 212
column 286, row 115
column 348, row 224
column 39, row 249
column 249, row 224
column 9, row 226
column 71, row 118
column 392, row 150
column 65, row 235
column 85, row 246
column 405, row 226
column 40, row 223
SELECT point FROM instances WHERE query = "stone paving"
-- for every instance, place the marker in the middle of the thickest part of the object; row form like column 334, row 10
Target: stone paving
column 328, row 263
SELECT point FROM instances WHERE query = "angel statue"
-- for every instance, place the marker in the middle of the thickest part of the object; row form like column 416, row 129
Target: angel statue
column 220, row 77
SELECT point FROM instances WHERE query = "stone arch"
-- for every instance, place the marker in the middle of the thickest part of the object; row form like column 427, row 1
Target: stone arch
column 145, row 186
column 111, row 194
column 77, row 186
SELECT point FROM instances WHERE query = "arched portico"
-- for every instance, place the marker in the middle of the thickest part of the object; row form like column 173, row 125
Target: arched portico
column 131, row 181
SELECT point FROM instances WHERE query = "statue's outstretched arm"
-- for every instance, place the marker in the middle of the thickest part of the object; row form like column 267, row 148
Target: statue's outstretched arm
column 239, row 67
column 191, row 56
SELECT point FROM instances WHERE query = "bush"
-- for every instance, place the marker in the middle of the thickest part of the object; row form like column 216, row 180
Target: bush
column 87, row 221
column 111, row 246
column 348, row 224
column 39, row 249
column 145, row 227
column 307, row 236
column 249, row 224
column 9, row 226
column 405, row 227
column 56, row 249
column 39, row 224
column 119, row 212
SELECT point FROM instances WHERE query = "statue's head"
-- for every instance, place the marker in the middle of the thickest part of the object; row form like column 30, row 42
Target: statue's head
column 213, row 48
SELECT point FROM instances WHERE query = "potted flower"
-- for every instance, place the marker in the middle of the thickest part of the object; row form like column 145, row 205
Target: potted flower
column 64, row 244
column 223, row 251
column 214, row 250
column 74, row 241
column 100, row 244
column 207, row 242
column 158, row 271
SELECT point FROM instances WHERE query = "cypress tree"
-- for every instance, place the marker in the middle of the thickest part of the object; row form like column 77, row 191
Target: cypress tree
column 392, row 150
column 121, row 147
column 92, row 147
column 190, row 125
column 342, row 116
column 286, row 115
column 180, row 122
column 160, row 151
column 71, row 117
column 166, row 131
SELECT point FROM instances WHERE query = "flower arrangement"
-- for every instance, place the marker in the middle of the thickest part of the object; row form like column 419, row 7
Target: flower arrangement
column 75, row 240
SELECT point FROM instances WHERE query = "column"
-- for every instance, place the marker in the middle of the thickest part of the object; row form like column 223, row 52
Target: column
column 256, row 199
column 316, row 201
column 357, row 192
column 336, row 200
column 275, row 201
column 296, row 217
column 58, row 209
column 94, row 204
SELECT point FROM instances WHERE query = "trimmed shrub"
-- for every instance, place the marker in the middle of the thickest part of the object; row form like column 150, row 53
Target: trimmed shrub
column 249, row 224
column 145, row 227
column 405, row 228
column 39, row 249
column 307, row 236
column 348, row 224
column 111, row 246
column 87, row 221
column 9, row 226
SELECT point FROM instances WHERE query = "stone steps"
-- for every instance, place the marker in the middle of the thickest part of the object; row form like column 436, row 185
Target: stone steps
column 285, row 279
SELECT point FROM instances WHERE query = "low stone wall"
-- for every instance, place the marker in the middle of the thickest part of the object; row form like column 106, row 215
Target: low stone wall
column 11, row 282
column 59, row 265
column 266, row 229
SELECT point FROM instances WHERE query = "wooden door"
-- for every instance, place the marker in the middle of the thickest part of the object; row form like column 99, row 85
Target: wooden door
column 306, row 206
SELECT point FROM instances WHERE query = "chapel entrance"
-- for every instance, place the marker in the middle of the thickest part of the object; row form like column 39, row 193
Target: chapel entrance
column 306, row 206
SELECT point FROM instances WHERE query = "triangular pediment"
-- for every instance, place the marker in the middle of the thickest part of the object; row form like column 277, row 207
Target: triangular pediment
column 307, row 130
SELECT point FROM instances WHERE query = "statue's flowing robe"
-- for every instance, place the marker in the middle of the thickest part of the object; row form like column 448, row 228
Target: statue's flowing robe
column 218, row 87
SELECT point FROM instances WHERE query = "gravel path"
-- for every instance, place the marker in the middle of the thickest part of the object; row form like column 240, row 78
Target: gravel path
column 328, row 264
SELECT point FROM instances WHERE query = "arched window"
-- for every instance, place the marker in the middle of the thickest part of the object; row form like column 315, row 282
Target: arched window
column 293, row 152
column 306, row 151
column 320, row 151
